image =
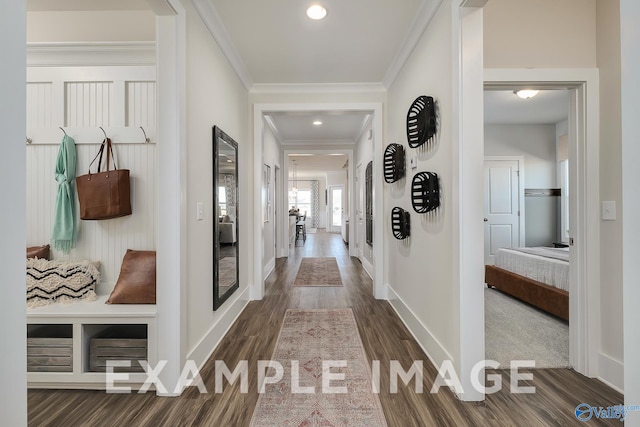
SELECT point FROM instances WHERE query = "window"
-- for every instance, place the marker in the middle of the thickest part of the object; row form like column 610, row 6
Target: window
column 222, row 201
column 301, row 199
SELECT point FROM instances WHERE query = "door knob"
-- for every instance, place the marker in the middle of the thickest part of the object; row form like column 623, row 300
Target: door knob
column 486, row 220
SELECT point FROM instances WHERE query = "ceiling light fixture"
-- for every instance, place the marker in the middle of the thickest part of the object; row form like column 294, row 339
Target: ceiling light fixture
column 526, row 93
column 316, row 12
column 317, row 123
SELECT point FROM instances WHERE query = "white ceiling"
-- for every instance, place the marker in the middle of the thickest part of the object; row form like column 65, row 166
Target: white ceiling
column 504, row 107
column 78, row 5
column 337, row 127
column 315, row 165
column 357, row 41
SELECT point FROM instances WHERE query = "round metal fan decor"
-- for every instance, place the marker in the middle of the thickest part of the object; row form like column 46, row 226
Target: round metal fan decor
column 421, row 121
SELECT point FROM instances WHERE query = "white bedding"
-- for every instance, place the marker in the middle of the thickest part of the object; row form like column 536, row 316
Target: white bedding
column 545, row 269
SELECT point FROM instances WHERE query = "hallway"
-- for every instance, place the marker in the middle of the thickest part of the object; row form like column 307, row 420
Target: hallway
column 253, row 337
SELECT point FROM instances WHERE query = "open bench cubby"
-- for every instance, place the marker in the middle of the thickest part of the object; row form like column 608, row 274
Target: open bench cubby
column 68, row 344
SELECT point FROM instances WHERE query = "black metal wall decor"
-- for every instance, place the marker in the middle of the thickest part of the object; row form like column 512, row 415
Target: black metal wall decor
column 394, row 163
column 425, row 192
column 400, row 223
column 421, row 121
column 368, row 204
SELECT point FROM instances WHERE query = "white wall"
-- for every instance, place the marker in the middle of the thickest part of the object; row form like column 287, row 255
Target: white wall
column 421, row 268
column 539, row 34
column 630, row 42
column 215, row 96
column 537, row 143
column 608, row 44
column 13, row 330
column 91, row 26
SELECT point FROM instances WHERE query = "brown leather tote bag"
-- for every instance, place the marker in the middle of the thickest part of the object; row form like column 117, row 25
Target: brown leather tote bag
column 104, row 195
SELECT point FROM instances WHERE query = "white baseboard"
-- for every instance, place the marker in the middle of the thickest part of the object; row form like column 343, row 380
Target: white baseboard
column 368, row 267
column 429, row 344
column 269, row 268
column 205, row 347
column 611, row 372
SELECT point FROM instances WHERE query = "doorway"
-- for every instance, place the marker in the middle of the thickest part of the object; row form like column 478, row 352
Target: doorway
column 335, row 216
column 583, row 135
column 260, row 111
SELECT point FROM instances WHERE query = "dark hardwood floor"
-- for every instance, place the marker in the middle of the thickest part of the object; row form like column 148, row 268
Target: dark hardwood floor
column 385, row 338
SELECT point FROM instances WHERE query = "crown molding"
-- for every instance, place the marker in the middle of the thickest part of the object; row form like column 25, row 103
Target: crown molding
column 344, row 142
column 420, row 23
column 214, row 24
column 274, row 129
column 365, row 123
column 63, row 54
column 287, row 88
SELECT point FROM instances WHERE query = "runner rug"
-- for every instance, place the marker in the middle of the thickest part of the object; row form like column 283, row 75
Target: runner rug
column 307, row 338
column 318, row 272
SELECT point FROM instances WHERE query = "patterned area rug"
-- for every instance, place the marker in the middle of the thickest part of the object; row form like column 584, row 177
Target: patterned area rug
column 318, row 272
column 309, row 337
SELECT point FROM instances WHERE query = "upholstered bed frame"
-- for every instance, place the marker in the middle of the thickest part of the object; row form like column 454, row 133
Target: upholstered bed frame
column 545, row 297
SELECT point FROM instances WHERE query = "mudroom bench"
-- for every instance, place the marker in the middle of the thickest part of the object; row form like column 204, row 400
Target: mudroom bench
column 68, row 344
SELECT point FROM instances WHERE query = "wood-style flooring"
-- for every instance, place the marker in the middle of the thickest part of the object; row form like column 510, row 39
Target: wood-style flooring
column 385, row 338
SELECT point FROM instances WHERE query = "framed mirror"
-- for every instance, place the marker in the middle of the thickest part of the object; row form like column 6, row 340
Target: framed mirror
column 225, row 221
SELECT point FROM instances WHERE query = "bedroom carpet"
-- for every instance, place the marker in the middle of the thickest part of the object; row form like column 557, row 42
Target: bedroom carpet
column 517, row 331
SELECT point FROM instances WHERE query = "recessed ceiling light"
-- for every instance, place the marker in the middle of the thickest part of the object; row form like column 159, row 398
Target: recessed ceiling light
column 316, row 12
column 317, row 123
column 526, row 93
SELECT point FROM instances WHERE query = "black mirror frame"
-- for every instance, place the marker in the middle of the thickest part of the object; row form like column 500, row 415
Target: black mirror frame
column 218, row 299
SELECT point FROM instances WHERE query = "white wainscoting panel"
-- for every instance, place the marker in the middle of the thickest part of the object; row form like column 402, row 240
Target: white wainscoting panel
column 141, row 104
column 88, row 104
column 105, row 241
column 39, row 104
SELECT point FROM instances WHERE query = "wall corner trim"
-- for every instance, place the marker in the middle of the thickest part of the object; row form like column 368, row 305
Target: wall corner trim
column 429, row 343
column 232, row 309
column 611, row 372
column 419, row 25
column 214, row 24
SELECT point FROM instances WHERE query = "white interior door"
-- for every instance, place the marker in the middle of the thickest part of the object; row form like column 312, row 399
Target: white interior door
column 336, row 208
column 502, row 227
column 360, row 231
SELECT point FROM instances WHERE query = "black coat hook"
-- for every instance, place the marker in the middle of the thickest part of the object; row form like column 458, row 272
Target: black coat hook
column 105, row 134
column 62, row 129
column 146, row 139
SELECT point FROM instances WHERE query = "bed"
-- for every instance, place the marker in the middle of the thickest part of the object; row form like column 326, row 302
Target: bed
column 538, row 276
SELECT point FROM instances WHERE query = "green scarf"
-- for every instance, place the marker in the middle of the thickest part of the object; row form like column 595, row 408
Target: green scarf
column 63, row 236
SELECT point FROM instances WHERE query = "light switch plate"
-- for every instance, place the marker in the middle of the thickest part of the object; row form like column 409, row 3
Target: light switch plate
column 413, row 162
column 199, row 211
column 609, row 211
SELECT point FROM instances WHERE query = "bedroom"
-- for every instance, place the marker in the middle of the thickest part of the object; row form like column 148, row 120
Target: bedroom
column 526, row 206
